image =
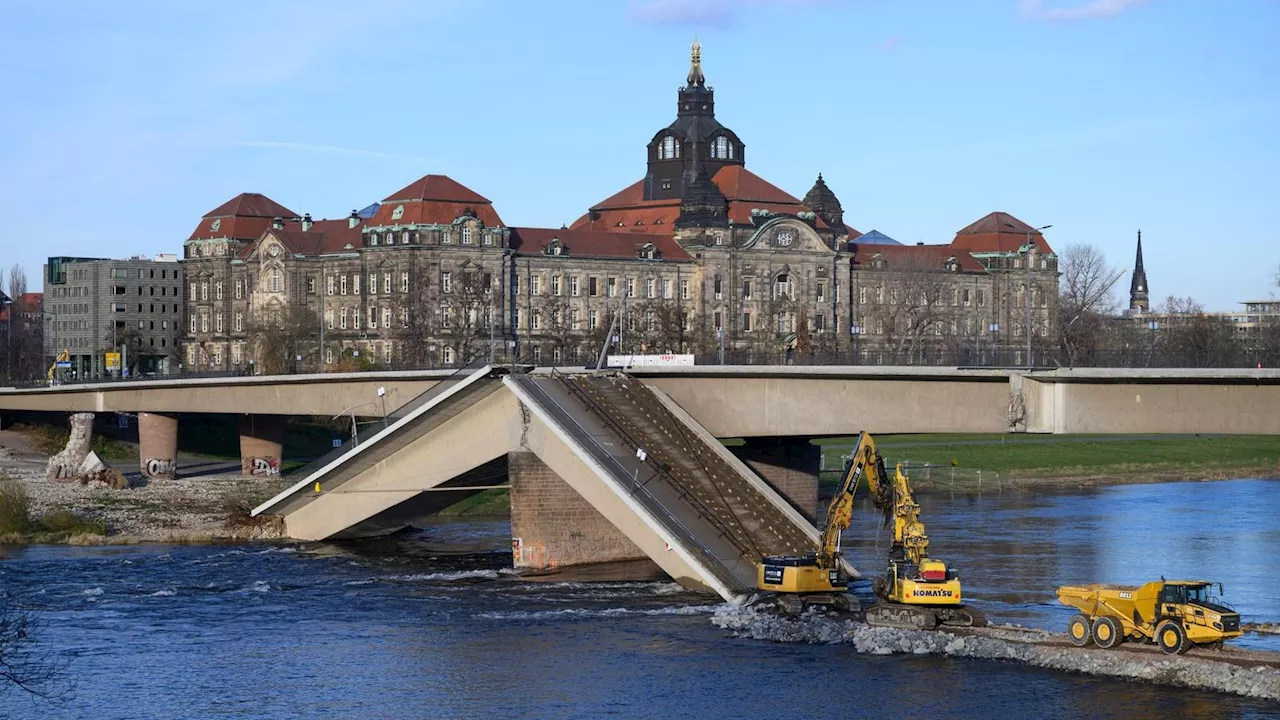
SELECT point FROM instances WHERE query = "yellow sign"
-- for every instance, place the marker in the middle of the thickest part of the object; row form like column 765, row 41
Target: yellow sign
column 113, row 361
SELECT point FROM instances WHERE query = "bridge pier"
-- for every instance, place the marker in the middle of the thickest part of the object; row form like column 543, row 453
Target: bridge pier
column 261, row 445
column 789, row 465
column 552, row 526
column 158, row 445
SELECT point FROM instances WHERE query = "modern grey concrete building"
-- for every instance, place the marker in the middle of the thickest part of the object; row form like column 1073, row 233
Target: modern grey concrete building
column 94, row 306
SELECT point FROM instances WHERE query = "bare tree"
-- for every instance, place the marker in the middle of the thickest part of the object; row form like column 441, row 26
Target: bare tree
column 17, row 281
column 914, row 306
column 277, row 338
column 1085, row 301
column 1190, row 338
column 467, row 308
column 25, row 663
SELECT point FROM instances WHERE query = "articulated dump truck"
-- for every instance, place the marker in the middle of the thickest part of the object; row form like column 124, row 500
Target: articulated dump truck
column 1174, row 614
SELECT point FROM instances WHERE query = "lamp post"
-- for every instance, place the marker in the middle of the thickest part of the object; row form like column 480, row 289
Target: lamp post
column 1027, row 291
column 382, row 395
column 855, row 330
column 994, row 329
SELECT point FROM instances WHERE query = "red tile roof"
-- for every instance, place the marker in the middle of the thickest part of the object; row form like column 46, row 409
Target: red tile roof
column 991, row 233
column 251, row 205
column 325, row 236
column 436, row 200
column 628, row 211
column 916, row 256
column 243, row 217
column 595, row 243
column 31, row 302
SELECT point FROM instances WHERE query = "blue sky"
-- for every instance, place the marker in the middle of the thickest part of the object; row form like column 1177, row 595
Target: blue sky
column 123, row 123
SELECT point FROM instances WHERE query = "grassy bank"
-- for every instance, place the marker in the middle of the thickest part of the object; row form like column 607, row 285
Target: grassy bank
column 18, row 526
column 486, row 502
column 1019, row 457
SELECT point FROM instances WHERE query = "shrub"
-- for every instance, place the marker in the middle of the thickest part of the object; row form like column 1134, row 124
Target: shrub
column 15, row 507
column 61, row 521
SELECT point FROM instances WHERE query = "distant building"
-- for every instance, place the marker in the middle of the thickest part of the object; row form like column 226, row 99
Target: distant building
column 698, row 254
column 1139, row 291
column 95, row 305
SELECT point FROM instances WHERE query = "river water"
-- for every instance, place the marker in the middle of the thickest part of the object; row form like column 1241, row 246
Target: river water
column 435, row 625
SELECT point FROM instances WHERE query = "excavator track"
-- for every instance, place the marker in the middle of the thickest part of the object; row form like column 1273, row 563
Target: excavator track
column 887, row 613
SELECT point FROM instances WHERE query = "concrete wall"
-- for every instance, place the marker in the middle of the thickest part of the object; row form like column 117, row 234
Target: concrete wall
column 819, row 406
column 1150, row 407
column 279, row 395
column 553, row 526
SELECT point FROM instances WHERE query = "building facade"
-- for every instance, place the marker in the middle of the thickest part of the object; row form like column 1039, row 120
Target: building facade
column 699, row 255
column 93, row 306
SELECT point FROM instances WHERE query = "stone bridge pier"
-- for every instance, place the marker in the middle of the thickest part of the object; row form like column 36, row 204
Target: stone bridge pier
column 789, row 465
column 158, row 445
column 261, row 445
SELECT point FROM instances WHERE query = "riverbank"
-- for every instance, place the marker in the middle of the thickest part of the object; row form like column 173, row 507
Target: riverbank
column 204, row 509
column 1248, row 673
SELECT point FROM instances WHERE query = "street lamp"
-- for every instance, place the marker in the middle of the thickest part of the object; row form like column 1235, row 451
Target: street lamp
column 1027, row 291
column 994, row 329
column 855, row 330
column 382, row 394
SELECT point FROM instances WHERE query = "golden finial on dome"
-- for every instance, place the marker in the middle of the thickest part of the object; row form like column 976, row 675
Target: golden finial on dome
column 696, row 79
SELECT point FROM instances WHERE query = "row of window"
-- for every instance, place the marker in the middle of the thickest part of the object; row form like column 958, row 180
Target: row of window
column 338, row 284
column 595, row 286
column 782, row 288
column 441, row 237
column 722, row 148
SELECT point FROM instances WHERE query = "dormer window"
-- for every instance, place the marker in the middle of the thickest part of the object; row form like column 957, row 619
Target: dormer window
column 648, row 251
column 405, row 238
column 554, row 247
column 373, row 239
column 721, row 149
column 668, row 149
column 466, row 234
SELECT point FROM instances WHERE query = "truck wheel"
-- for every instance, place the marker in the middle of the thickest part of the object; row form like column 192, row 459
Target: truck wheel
column 1106, row 632
column 1079, row 632
column 1172, row 638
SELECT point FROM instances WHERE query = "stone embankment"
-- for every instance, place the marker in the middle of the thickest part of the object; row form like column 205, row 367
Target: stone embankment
column 1249, row 673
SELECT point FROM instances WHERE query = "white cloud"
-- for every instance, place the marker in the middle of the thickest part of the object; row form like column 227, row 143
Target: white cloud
column 1093, row 9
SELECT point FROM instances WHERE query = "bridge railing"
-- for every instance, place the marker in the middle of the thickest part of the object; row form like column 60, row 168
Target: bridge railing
column 660, row 471
column 400, row 413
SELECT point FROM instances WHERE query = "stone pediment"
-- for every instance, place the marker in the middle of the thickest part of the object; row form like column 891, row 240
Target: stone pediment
column 787, row 234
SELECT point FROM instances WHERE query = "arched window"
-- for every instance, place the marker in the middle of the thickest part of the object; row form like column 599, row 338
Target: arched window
column 668, row 150
column 274, row 280
column 782, row 287
column 722, row 149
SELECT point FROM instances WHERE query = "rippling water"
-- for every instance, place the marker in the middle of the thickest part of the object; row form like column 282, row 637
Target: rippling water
column 434, row 625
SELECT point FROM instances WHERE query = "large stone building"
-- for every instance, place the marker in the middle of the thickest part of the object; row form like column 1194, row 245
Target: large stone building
column 699, row 255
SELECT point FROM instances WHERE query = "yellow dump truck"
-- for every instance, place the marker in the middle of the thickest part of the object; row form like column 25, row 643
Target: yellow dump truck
column 1175, row 614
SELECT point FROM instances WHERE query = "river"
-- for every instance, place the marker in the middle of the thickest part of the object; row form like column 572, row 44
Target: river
column 434, row 625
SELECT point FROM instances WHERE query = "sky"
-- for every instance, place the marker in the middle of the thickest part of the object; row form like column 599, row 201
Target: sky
column 123, row 123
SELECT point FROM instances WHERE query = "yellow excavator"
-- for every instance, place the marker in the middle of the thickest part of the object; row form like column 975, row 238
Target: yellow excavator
column 62, row 357
column 915, row 592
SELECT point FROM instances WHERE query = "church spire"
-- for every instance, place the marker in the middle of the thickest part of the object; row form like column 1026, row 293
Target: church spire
column 696, row 78
column 1139, row 292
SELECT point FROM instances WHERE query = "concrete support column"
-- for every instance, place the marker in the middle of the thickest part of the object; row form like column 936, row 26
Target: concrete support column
column 789, row 465
column 158, row 445
column 261, row 445
column 552, row 526
column 66, row 464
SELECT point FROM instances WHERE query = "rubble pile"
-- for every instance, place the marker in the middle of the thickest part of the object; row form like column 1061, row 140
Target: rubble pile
column 1014, row 644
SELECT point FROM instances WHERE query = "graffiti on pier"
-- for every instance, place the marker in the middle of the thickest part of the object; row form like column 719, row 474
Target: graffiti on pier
column 158, row 467
column 531, row 556
column 260, row 466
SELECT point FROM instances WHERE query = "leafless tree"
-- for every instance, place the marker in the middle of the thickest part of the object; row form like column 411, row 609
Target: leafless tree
column 467, row 308
column 276, row 339
column 659, row 325
column 1085, row 301
column 26, row 664
column 17, row 281
column 915, row 306
column 1190, row 338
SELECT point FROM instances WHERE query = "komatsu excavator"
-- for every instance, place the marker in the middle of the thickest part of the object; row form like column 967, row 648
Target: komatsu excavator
column 915, row 592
